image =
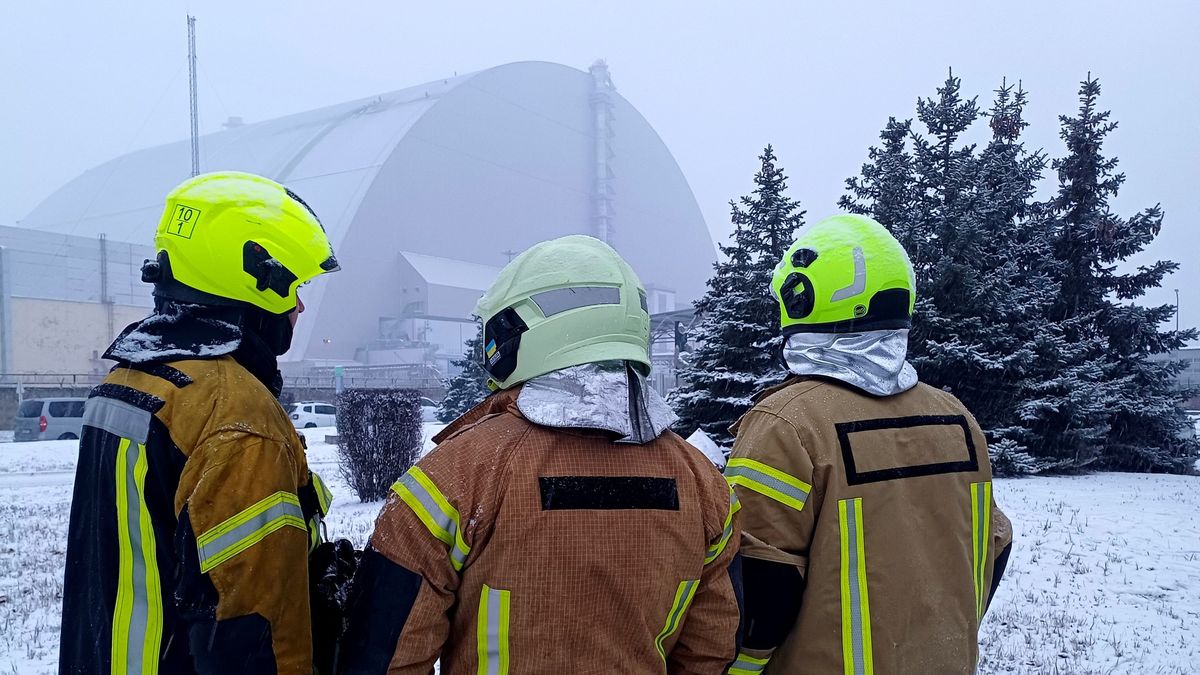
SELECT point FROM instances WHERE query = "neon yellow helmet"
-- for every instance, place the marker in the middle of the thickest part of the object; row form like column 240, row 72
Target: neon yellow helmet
column 562, row 303
column 844, row 274
column 232, row 238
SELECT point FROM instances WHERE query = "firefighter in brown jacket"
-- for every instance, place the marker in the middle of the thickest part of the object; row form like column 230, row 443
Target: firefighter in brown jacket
column 558, row 527
column 871, row 541
column 194, row 509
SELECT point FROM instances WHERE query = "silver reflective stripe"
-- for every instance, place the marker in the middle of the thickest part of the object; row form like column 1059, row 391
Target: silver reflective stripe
column 742, row 665
column 117, row 418
column 767, row 480
column 860, row 278
column 212, row 549
column 492, row 627
column 983, row 517
column 493, row 632
column 443, row 519
column 136, row 637
column 853, row 565
column 562, row 299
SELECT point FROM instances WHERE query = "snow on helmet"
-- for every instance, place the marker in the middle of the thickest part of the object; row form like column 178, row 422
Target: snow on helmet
column 844, row 274
column 562, row 303
column 232, row 238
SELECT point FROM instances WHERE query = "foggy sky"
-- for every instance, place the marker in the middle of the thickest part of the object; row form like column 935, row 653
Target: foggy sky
column 84, row 83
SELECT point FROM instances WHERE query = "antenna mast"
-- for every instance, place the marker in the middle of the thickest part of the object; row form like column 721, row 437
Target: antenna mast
column 191, row 23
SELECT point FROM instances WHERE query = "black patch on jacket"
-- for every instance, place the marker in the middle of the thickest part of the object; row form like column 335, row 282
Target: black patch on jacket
column 608, row 493
column 854, row 477
column 134, row 397
column 381, row 598
column 162, row 371
column 773, row 594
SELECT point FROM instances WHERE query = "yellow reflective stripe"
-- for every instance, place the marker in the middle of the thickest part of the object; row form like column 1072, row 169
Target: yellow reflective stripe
column 324, row 496
column 683, row 598
column 748, row 665
column 491, row 638
column 250, row 526
column 137, row 615
column 767, row 481
column 433, row 509
column 981, row 526
column 857, row 656
column 716, row 549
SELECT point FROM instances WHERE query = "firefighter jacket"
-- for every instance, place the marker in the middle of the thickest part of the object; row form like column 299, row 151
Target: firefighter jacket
column 515, row 547
column 871, row 542
column 193, row 514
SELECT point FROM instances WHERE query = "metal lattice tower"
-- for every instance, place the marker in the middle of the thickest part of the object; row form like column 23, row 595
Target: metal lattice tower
column 602, row 115
column 191, row 23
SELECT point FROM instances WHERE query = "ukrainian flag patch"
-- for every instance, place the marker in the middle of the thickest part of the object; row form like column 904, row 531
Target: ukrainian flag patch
column 491, row 349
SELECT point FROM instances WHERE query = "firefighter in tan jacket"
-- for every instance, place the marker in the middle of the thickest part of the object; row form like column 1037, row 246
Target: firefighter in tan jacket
column 558, row 527
column 871, row 541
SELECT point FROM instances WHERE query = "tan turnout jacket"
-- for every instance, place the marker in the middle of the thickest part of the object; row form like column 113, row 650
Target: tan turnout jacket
column 516, row 548
column 884, row 508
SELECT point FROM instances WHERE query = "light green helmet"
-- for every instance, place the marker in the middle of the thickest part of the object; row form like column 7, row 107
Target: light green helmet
column 844, row 274
column 563, row 303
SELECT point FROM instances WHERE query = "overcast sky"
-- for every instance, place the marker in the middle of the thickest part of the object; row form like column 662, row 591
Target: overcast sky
column 83, row 83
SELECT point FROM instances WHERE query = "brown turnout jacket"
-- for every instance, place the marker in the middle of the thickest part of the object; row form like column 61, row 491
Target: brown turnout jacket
column 870, row 536
column 517, row 548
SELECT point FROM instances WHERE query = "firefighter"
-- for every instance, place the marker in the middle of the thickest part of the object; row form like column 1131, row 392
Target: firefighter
column 559, row 526
column 194, row 509
column 871, row 540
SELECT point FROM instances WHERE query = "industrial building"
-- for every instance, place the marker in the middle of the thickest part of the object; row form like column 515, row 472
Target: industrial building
column 425, row 193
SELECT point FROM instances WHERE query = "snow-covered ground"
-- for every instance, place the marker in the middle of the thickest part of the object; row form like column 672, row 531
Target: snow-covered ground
column 1105, row 576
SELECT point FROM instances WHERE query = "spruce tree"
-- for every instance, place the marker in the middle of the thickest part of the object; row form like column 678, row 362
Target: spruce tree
column 739, row 346
column 981, row 250
column 469, row 387
column 1096, row 293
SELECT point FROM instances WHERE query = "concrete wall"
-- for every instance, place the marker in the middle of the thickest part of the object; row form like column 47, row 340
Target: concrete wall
column 56, row 336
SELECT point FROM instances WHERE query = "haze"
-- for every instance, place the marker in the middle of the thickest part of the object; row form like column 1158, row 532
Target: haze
column 85, row 83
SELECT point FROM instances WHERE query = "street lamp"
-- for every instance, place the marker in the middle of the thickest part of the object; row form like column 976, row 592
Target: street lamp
column 1176, row 310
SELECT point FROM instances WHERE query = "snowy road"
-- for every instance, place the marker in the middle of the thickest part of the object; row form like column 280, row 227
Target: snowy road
column 1104, row 578
column 36, row 479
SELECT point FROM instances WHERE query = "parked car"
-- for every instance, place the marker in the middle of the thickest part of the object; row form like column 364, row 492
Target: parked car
column 429, row 409
column 310, row 414
column 1194, row 418
column 47, row 419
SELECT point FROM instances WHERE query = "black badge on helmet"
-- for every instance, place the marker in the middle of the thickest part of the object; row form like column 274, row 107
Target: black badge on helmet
column 797, row 295
column 501, row 341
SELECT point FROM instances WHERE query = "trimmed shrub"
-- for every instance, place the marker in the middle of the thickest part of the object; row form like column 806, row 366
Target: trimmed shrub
column 379, row 438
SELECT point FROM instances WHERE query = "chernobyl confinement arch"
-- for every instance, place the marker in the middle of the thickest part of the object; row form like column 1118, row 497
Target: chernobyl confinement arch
column 426, row 192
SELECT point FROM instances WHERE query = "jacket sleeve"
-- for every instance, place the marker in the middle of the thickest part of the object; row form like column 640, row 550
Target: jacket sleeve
column 711, row 633
column 772, row 475
column 243, row 547
column 409, row 577
column 1002, row 541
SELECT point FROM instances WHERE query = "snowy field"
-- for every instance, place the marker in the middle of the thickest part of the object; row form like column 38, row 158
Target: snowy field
column 1105, row 576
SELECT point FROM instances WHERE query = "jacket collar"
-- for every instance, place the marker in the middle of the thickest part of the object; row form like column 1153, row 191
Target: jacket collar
column 178, row 331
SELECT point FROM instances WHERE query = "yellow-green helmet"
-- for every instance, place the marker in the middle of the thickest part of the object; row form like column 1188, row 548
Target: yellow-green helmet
column 232, row 238
column 844, row 274
column 563, row 303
